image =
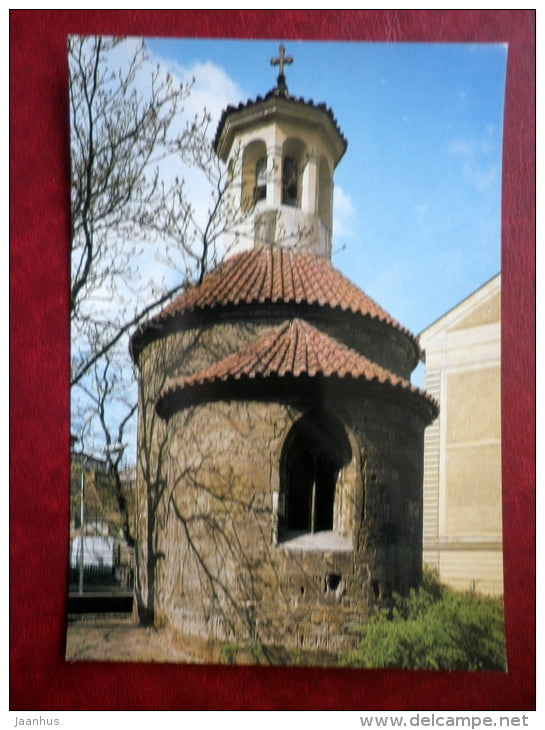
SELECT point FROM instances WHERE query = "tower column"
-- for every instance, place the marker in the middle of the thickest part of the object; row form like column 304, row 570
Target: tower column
column 309, row 189
column 274, row 171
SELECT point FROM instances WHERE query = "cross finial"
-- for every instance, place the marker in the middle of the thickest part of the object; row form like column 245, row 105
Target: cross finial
column 280, row 61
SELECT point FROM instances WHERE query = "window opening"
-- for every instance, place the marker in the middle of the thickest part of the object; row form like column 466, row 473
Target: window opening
column 315, row 455
column 260, row 189
column 253, row 172
column 289, row 181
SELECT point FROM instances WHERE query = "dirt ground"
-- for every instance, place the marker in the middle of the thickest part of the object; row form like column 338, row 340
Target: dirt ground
column 95, row 638
column 119, row 639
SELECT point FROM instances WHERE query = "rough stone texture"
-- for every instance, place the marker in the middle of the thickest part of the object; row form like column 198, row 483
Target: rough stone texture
column 215, row 566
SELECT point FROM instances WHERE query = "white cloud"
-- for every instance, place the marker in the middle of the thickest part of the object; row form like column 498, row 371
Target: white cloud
column 343, row 214
column 477, row 168
column 459, row 148
column 212, row 89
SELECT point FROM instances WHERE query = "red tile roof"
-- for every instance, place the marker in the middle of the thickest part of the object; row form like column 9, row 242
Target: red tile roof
column 294, row 348
column 277, row 275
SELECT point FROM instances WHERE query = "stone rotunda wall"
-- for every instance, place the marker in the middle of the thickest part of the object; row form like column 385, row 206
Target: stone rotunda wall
column 216, row 564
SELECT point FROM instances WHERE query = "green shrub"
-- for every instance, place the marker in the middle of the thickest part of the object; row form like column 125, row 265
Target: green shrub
column 434, row 627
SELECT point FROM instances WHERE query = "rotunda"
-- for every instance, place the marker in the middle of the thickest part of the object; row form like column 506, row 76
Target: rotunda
column 280, row 441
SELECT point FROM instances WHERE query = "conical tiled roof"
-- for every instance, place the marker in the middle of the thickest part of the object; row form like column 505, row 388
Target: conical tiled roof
column 295, row 348
column 272, row 274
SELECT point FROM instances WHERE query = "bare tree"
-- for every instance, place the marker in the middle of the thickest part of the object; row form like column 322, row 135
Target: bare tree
column 118, row 139
column 110, row 391
column 130, row 214
column 138, row 236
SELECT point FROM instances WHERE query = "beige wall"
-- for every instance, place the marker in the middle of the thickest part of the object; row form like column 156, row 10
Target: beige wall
column 462, row 457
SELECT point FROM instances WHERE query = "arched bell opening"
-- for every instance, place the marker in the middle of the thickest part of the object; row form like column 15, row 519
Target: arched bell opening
column 254, row 174
column 293, row 163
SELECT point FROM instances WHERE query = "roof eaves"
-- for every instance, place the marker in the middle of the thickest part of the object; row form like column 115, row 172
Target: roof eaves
column 295, row 349
column 271, row 95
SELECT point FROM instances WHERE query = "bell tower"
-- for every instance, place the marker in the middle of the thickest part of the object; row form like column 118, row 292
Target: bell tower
column 281, row 153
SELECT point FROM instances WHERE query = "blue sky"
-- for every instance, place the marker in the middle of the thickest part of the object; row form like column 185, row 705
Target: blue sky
column 418, row 192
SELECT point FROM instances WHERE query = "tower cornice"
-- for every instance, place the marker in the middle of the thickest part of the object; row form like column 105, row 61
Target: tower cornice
column 273, row 107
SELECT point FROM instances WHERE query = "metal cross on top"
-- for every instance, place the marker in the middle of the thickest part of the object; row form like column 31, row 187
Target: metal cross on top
column 281, row 60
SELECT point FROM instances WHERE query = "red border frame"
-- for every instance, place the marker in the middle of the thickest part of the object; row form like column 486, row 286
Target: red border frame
column 39, row 407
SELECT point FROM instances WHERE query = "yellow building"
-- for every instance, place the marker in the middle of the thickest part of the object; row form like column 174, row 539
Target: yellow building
column 462, row 452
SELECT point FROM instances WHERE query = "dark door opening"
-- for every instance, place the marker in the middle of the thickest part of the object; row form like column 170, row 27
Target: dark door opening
column 314, row 456
column 325, row 479
column 300, row 479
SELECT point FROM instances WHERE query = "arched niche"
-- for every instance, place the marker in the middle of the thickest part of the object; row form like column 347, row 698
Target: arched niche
column 293, row 163
column 254, row 174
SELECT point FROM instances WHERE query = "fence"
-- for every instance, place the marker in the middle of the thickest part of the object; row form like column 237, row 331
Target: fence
column 117, row 573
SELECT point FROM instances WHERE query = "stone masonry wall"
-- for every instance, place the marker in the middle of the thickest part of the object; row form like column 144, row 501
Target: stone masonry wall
column 209, row 563
column 219, row 572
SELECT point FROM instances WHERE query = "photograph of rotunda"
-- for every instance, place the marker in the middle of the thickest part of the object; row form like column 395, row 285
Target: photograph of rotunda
column 283, row 481
column 282, row 394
